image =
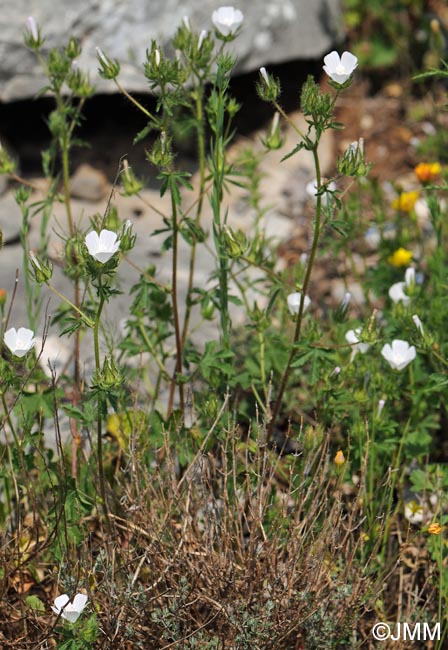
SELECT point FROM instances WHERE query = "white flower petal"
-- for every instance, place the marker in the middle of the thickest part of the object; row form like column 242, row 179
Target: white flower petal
column 294, row 302
column 103, row 246
column 80, row 601
column 349, row 61
column 92, row 242
column 399, row 354
column 332, row 60
column 227, row 20
column 397, row 294
column 20, row 341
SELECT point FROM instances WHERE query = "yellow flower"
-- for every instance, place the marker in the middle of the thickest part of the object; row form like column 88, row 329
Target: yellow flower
column 405, row 202
column 426, row 172
column 339, row 459
column 401, row 257
column 435, row 529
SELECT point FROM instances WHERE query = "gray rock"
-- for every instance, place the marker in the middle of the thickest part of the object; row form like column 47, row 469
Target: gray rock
column 10, row 218
column 273, row 32
column 88, row 184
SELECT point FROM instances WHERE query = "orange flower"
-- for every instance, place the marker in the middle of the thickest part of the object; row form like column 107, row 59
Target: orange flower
column 427, row 172
column 434, row 529
column 401, row 257
column 3, row 296
column 405, row 202
column 339, row 459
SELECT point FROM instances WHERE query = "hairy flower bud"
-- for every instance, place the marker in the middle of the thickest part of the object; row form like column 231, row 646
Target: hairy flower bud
column 268, row 88
column 108, row 377
column 235, row 243
column 32, row 37
column 131, row 185
column 108, row 69
column 42, row 272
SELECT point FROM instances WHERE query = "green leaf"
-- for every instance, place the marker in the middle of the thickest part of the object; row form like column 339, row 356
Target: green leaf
column 296, row 149
column 35, row 603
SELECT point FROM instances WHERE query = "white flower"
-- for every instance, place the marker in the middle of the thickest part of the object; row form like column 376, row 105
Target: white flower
column 156, row 58
column 227, row 20
column 103, row 246
column 19, row 341
column 413, row 512
column 70, row 611
column 397, row 294
column 311, row 190
column 31, row 24
column 399, row 354
column 294, row 302
column 381, row 404
column 352, row 337
column 340, row 68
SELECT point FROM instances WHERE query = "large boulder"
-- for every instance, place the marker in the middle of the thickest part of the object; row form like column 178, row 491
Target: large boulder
column 274, row 31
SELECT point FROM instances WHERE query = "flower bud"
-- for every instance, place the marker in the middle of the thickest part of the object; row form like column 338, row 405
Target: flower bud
column 235, row 243
column 339, row 459
column 109, row 69
column 42, row 272
column 418, row 324
column 268, row 88
column 7, row 165
column 32, row 38
column 127, row 238
column 201, row 39
column 3, row 297
column 352, row 162
column 108, row 377
column 131, row 185
column 73, row 49
column 161, row 154
column 274, row 139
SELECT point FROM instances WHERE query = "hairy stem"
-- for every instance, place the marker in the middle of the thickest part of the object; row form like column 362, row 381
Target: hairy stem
column 292, row 354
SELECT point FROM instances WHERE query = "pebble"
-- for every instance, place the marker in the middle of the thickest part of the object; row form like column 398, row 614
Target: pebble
column 89, row 184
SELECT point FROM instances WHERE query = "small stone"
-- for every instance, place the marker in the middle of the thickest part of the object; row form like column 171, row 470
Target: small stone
column 10, row 219
column 88, row 184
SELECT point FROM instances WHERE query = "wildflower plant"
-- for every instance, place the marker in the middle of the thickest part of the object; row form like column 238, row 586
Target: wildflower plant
column 306, row 423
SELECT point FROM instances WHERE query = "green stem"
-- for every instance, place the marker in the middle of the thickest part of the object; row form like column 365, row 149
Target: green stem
column 317, row 225
column 289, row 120
column 394, row 480
column 152, row 350
column 134, row 101
column 88, row 321
column 177, row 332
column 201, row 154
column 96, row 346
